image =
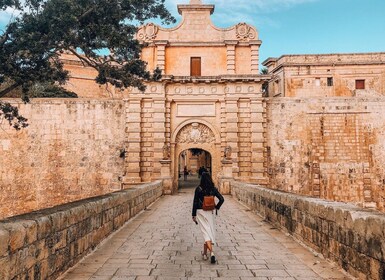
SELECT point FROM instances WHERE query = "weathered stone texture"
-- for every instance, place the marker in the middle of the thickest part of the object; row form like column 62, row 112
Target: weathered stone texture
column 348, row 235
column 70, row 151
column 328, row 148
column 44, row 244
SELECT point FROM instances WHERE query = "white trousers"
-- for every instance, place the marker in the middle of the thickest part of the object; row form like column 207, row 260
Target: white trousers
column 206, row 223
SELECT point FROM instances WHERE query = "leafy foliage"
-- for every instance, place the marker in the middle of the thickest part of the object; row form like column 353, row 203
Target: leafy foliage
column 264, row 71
column 11, row 115
column 31, row 44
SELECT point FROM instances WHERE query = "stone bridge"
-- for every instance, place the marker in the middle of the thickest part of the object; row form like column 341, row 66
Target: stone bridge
column 140, row 234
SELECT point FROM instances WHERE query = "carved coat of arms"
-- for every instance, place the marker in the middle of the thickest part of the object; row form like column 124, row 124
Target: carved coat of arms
column 195, row 133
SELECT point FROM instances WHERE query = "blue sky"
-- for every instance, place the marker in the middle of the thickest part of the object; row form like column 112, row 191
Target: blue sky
column 302, row 26
column 305, row 26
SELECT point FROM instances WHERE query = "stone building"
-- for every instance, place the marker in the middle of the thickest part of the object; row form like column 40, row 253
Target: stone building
column 327, row 75
column 320, row 131
column 210, row 98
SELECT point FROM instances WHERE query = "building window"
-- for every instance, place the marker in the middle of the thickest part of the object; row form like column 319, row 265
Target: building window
column 330, row 82
column 195, row 66
column 360, row 84
column 317, row 82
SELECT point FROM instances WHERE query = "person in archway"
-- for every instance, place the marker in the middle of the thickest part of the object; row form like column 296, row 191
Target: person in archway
column 205, row 219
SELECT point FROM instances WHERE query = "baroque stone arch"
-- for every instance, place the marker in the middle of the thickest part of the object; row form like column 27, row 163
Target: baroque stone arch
column 196, row 134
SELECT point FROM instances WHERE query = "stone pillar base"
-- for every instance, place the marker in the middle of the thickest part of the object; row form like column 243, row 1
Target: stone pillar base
column 165, row 175
column 224, row 181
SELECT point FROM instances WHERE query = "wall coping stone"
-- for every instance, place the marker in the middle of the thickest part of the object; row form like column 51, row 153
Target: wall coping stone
column 64, row 234
column 351, row 236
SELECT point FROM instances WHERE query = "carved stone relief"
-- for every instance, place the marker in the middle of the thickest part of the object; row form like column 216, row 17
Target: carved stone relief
column 195, row 133
column 244, row 32
column 148, row 32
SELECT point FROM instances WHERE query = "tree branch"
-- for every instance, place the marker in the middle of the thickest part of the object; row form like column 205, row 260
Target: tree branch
column 81, row 58
column 86, row 13
column 9, row 89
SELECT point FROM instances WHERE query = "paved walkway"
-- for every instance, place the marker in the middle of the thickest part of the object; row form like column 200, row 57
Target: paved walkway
column 164, row 243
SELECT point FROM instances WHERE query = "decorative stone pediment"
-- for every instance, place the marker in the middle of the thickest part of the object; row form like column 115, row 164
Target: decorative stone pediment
column 196, row 27
column 196, row 133
column 245, row 31
column 148, row 32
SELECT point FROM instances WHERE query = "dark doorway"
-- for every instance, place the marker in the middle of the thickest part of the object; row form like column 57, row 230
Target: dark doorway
column 191, row 163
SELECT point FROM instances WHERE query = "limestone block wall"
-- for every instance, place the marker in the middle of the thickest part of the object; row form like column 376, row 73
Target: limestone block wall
column 70, row 151
column 45, row 244
column 328, row 148
column 348, row 235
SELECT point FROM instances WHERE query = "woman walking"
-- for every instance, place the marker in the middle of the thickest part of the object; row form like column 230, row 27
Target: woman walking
column 202, row 214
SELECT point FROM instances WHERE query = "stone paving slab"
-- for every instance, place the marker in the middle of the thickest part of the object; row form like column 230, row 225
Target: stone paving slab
column 163, row 243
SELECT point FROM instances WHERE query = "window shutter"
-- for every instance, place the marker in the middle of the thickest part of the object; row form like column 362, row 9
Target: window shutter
column 195, row 66
column 360, row 84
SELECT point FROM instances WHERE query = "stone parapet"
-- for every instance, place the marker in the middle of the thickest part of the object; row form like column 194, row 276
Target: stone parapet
column 348, row 235
column 44, row 244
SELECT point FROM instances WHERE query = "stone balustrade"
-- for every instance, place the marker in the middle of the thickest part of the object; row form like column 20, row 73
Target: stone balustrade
column 348, row 235
column 44, row 244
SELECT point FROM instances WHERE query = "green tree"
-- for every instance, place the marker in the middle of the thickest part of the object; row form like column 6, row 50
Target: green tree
column 264, row 71
column 101, row 33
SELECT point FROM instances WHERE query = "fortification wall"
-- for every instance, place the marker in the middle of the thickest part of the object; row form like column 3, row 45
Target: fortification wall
column 348, row 235
column 45, row 244
column 70, row 151
column 328, row 148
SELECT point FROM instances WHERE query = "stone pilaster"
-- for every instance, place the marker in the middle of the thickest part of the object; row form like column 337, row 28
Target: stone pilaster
column 232, row 132
column 159, row 131
column 133, row 142
column 161, row 55
column 231, row 56
column 255, row 59
column 258, row 123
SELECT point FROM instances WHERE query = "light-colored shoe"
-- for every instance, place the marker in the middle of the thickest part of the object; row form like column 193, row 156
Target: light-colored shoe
column 204, row 257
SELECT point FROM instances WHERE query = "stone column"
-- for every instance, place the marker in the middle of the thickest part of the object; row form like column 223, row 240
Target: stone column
column 258, row 123
column 133, row 143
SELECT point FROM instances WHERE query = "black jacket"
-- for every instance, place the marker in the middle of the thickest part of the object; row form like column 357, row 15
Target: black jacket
column 198, row 198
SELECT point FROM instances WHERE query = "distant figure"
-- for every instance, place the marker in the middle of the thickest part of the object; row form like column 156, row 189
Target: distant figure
column 205, row 218
column 201, row 170
column 185, row 173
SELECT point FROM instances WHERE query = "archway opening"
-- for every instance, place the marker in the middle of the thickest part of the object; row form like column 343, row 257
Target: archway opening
column 191, row 164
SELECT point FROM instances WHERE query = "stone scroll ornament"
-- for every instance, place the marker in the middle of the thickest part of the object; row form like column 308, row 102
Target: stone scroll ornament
column 245, row 32
column 195, row 133
column 148, row 32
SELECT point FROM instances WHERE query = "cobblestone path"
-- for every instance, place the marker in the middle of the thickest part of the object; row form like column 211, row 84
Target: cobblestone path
column 164, row 243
